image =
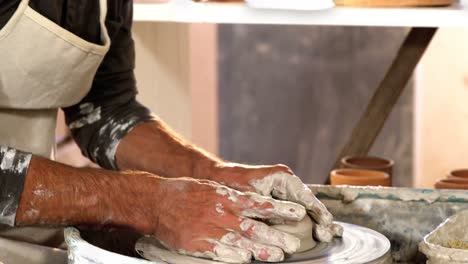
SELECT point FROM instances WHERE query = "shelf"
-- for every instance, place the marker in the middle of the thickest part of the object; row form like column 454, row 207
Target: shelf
column 186, row 11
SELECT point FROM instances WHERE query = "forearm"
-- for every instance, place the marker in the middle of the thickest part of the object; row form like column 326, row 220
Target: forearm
column 58, row 195
column 154, row 147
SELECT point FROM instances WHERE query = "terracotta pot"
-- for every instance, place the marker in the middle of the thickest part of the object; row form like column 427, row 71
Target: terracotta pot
column 369, row 163
column 459, row 175
column 358, row 177
column 456, row 184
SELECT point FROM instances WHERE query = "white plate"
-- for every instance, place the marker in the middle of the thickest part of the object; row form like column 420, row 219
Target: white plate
column 291, row 4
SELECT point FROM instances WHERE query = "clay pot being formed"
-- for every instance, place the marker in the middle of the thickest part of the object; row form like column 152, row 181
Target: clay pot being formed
column 454, row 184
column 358, row 177
column 369, row 163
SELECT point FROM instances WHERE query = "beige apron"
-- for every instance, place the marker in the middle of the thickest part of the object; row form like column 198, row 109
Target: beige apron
column 42, row 67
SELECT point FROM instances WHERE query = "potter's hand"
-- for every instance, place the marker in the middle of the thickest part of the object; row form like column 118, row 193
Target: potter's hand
column 279, row 182
column 205, row 219
column 155, row 148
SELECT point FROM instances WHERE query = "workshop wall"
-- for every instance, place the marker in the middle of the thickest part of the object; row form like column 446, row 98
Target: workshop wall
column 441, row 129
column 162, row 72
column 292, row 94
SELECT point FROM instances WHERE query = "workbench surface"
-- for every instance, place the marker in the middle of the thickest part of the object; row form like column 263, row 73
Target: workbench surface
column 187, row 11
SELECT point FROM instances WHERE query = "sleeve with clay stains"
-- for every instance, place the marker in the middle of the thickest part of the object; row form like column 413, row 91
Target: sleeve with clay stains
column 110, row 110
column 14, row 166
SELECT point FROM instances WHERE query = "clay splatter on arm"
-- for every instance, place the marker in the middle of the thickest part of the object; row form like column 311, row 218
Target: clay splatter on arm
column 110, row 109
column 13, row 169
column 99, row 129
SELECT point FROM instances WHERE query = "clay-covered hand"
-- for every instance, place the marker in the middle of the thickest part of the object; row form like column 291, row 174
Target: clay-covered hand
column 205, row 219
column 279, row 181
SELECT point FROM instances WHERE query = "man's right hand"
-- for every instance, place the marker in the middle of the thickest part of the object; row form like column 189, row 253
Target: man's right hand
column 206, row 219
column 195, row 217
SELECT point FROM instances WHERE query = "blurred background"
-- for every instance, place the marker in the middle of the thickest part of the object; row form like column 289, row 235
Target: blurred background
column 292, row 94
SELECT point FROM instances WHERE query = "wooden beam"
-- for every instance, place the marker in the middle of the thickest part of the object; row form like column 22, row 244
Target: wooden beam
column 387, row 94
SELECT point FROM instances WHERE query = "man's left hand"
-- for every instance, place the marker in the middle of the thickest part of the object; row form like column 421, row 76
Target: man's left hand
column 279, row 182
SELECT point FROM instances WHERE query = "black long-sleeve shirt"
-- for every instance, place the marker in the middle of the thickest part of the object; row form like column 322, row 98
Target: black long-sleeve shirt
column 112, row 97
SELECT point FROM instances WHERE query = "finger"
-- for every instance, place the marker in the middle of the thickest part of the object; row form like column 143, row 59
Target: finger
column 234, row 239
column 289, row 187
column 268, row 208
column 216, row 250
column 261, row 233
column 257, row 206
column 260, row 251
column 337, row 230
column 323, row 234
column 327, row 233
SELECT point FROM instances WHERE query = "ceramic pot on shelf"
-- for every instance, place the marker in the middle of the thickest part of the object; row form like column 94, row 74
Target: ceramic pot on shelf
column 359, row 177
column 461, row 174
column 456, row 179
column 453, row 184
column 369, row 163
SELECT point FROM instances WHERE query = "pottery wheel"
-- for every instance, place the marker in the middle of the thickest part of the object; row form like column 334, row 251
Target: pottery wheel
column 358, row 245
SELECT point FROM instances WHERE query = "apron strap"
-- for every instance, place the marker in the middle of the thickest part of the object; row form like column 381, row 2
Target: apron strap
column 103, row 13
